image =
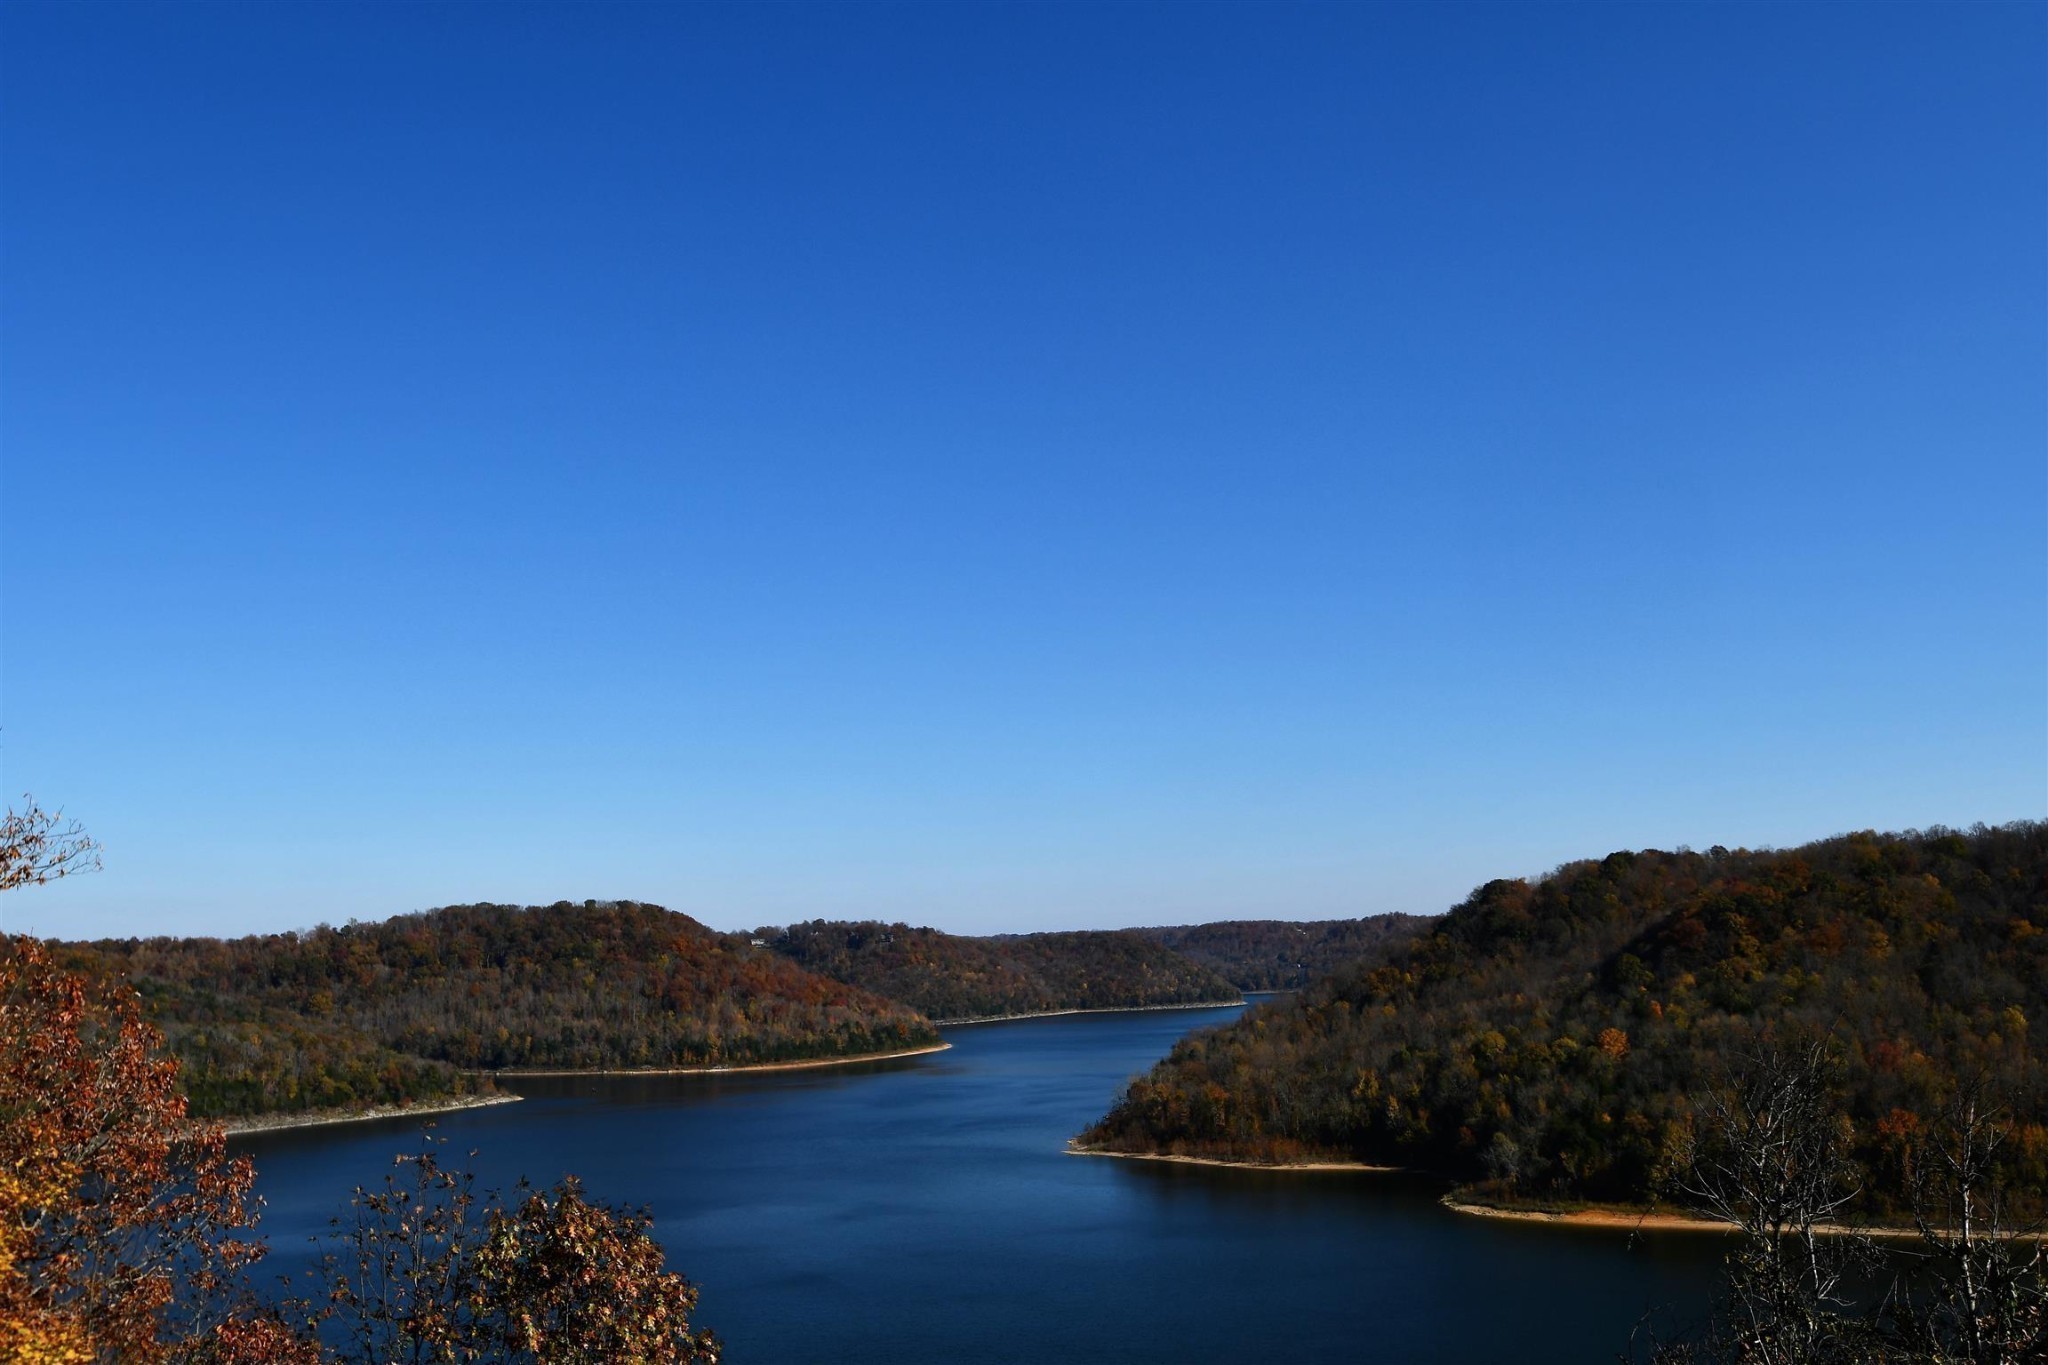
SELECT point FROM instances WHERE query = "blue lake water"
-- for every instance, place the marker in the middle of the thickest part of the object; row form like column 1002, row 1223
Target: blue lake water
column 924, row 1212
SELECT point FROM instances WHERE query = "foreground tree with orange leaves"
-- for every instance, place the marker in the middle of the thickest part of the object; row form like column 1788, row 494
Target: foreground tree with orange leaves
column 123, row 1226
column 120, row 1222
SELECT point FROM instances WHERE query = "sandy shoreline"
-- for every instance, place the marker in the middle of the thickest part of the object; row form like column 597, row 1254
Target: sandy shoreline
column 1073, row 1150
column 1103, row 1009
column 321, row 1117
column 1648, row 1220
column 806, row 1064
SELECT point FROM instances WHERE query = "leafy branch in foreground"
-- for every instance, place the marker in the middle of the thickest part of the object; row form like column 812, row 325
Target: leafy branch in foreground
column 428, row 1272
column 39, row 846
column 122, row 1224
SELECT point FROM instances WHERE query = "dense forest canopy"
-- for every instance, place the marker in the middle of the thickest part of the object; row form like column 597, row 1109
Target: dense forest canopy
column 417, row 1007
column 1547, row 1035
column 951, row 976
column 1282, row 955
column 397, row 1011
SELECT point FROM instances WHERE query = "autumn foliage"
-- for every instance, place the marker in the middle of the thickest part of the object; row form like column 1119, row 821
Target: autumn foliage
column 126, row 1230
column 1550, row 1036
column 411, row 1007
column 123, row 1226
column 424, row 1268
column 40, row 846
column 1283, row 955
column 573, row 1283
column 952, row 977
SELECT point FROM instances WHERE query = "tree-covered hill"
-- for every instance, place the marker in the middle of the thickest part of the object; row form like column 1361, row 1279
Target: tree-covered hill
column 1548, row 1034
column 1282, row 955
column 395, row 1011
column 952, row 976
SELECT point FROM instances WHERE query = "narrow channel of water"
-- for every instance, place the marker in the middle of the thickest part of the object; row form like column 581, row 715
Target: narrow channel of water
column 924, row 1212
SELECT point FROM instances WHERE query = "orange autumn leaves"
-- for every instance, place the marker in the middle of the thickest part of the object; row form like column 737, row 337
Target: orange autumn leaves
column 120, row 1221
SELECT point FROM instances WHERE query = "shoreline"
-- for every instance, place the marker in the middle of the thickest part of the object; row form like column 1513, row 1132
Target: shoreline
column 803, row 1064
column 318, row 1118
column 1092, row 1009
column 255, row 1124
column 1360, row 1166
column 1649, row 1220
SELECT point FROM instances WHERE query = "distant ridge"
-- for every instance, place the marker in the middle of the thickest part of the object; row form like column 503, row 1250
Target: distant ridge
column 1282, row 955
column 955, row 977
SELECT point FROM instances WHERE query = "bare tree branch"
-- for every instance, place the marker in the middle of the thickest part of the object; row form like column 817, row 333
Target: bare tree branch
column 39, row 846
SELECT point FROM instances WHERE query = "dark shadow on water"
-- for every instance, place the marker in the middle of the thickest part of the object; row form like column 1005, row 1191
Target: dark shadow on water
column 709, row 1087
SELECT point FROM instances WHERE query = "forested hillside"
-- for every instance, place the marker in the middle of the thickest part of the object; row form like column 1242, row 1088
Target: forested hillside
column 1547, row 1034
column 1282, row 955
column 951, row 976
column 394, row 1011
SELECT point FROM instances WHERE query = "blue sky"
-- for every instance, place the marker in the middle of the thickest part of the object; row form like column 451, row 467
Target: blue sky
column 1008, row 467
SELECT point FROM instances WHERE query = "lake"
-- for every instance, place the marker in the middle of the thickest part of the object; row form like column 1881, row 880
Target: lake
column 924, row 1212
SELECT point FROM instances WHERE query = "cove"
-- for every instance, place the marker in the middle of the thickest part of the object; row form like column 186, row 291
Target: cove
column 924, row 1211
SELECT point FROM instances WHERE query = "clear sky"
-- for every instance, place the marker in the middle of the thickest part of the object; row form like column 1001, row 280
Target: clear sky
column 1009, row 467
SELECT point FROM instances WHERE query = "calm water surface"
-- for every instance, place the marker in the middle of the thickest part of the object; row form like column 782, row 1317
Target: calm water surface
column 923, row 1212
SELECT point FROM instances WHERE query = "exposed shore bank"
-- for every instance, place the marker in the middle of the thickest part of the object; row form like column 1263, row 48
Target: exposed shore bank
column 1650, row 1220
column 270, row 1123
column 1074, row 1149
column 1098, row 1009
column 805, row 1064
